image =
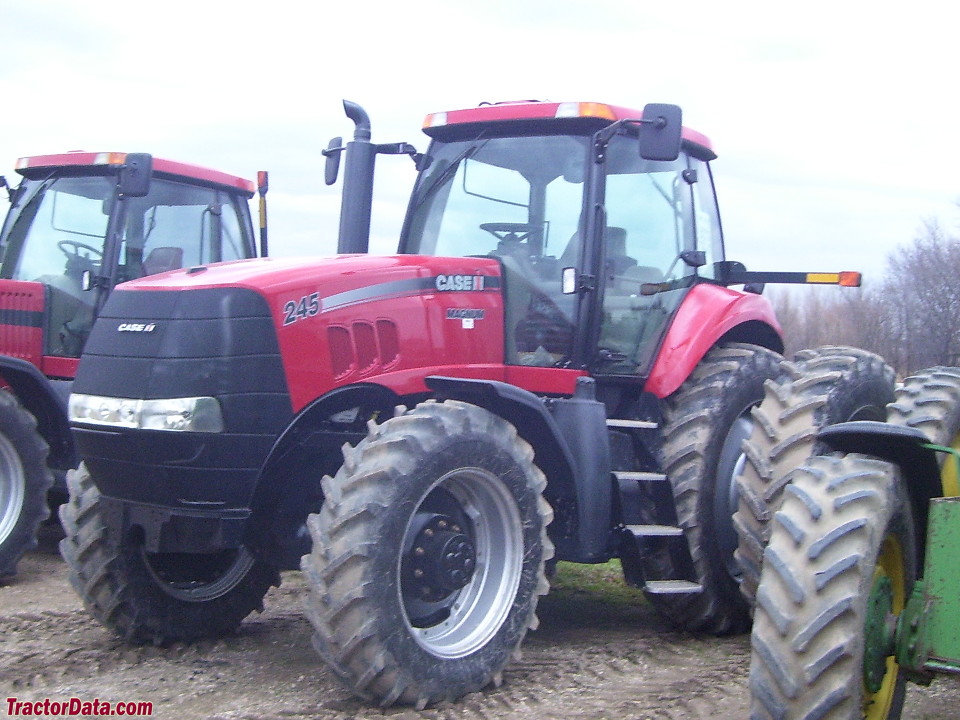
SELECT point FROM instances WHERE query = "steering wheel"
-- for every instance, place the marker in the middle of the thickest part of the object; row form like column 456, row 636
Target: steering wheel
column 76, row 248
column 515, row 232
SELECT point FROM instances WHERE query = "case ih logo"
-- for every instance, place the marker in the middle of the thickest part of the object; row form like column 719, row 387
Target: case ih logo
column 136, row 327
column 447, row 283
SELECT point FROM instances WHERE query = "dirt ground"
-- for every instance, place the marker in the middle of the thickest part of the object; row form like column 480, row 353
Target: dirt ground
column 587, row 660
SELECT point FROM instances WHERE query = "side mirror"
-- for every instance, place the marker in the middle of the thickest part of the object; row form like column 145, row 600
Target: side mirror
column 135, row 175
column 659, row 133
column 694, row 258
column 332, row 154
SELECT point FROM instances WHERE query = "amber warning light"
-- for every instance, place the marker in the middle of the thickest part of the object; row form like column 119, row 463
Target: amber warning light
column 846, row 279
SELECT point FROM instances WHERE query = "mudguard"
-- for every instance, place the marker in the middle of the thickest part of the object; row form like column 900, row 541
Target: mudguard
column 710, row 314
column 572, row 449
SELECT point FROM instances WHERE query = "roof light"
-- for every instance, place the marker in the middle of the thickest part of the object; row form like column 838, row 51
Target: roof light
column 435, row 120
column 588, row 109
column 110, row 158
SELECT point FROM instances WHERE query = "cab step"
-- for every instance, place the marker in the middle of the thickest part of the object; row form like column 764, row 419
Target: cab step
column 631, row 424
column 638, row 477
column 644, row 531
column 672, row 587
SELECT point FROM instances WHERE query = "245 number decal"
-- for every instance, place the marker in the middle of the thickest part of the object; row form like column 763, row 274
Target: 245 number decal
column 305, row 307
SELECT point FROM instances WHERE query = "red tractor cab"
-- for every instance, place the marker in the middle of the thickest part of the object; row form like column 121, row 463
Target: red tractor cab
column 79, row 223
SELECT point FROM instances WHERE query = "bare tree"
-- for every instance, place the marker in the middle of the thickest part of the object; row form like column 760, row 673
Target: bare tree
column 912, row 318
column 921, row 297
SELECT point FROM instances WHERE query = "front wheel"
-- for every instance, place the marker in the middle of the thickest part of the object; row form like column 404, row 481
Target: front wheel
column 156, row 598
column 428, row 555
column 836, row 575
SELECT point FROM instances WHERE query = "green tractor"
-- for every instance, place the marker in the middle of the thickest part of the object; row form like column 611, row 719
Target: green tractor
column 858, row 591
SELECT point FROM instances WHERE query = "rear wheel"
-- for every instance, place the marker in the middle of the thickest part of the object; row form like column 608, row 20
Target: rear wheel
column 705, row 423
column 930, row 402
column 24, row 482
column 428, row 555
column 154, row 597
column 820, row 387
column 837, row 572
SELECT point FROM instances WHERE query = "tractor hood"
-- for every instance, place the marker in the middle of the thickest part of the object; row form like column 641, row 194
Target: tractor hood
column 337, row 320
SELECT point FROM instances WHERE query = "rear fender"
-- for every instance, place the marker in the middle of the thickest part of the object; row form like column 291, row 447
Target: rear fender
column 902, row 446
column 710, row 314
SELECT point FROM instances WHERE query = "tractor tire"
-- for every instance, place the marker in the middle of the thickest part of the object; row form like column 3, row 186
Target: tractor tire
column 820, row 387
column 841, row 560
column 428, row 555
column 24, row 482
column 149, row 597
column 930, row 402
column 705, row 423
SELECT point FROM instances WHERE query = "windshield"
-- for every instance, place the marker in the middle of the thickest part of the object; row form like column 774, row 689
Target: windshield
column 476, row 195
column 517, row 199
column 59, row 220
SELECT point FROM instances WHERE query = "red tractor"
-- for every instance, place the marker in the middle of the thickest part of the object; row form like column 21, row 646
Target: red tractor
column 78, row 224
column 552, row 367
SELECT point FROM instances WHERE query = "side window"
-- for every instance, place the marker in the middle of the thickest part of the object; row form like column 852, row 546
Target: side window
column 174, row 227
column 647, row 205
column 707, row 218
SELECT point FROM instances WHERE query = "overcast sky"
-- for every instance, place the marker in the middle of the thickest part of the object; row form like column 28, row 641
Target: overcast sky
column 833, row 121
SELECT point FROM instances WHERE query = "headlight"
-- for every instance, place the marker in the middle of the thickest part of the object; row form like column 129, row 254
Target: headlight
column 197, row 414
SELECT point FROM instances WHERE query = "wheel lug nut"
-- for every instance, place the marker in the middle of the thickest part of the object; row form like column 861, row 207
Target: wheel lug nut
column 418, row 573
column 418, row 551
column 442, row 524
column 428, row 532
column 455, row 528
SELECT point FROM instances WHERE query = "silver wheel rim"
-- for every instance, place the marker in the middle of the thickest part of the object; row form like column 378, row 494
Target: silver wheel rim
column 478, row 609
column 728, row 496
column 13, row 488
column 201, row 590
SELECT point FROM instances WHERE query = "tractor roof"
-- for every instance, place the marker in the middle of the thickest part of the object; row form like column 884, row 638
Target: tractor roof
column 541, row 117
column 39, row 165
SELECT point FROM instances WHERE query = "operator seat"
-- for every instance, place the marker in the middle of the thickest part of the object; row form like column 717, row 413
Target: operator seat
column 162, row 259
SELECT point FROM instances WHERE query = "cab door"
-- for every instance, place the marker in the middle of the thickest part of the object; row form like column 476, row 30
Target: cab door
column 647, row 264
